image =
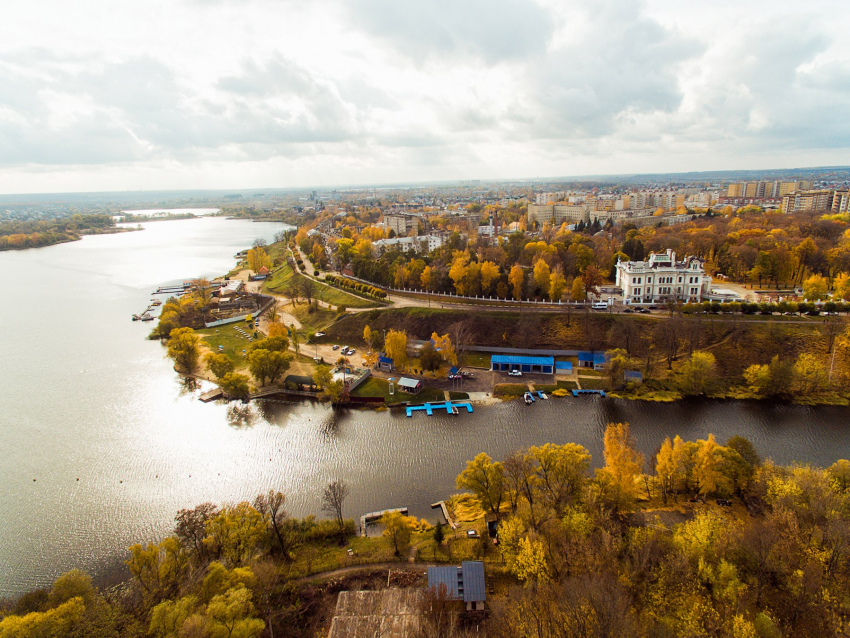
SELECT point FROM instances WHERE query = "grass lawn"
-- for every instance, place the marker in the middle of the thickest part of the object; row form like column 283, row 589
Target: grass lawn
column 458, row 396
column 313, row 321
column 374, row 387
column 593, row 384
column 477, row 359
column 228, row 337
column 509, row 389
column 284, row 275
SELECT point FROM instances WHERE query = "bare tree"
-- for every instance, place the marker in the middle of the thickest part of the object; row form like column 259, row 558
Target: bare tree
column 333, row 498
column 307, row 289
column 270, row 505
column 191, row 529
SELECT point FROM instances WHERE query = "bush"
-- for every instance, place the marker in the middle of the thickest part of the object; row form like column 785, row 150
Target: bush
column 315, row 273
column 341, row 309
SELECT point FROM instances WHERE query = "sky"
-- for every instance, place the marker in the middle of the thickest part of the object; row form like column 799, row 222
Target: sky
column 103, row 95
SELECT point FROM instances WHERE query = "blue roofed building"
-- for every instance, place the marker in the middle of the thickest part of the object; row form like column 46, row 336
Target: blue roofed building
column 508, row 362
column 464, row 583
column 595, row 360
column 384, row 363
column 633, row 376
column 563, row 367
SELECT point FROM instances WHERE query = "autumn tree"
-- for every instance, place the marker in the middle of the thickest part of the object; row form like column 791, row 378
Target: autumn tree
column 489, row 274
column 395, row 345
column 577, row 292
column 485, row 479
column 697, row 374
column 444, row 346
column 561, row 473
column 542, row 276
column 398, row 529
column 815, row 288
column 184, row 348
column 557, row 284
column 516, row 279
column 623, row 465
column 235, row 533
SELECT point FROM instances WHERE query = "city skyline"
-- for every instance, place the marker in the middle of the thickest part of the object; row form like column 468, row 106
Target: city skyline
column 202, row 94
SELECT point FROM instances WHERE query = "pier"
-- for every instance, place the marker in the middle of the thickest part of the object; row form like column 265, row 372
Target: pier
column 373, row 517
column 429, row 408
column 599, row 392
column 446, row 515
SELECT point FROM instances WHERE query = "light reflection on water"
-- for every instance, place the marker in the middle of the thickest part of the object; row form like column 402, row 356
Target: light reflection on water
column 84, row 396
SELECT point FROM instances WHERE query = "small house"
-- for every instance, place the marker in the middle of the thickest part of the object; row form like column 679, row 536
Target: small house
column 464, row 583
column 633, row 376
column 384, row 363
column 506, row 363
column 563, row 367
column 595, row 360
column 411, row 386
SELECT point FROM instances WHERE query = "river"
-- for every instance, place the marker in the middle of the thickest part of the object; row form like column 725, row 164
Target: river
column 102, row 443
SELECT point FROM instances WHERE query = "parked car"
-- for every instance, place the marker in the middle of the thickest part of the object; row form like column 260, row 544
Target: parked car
column 466, row 374
column 352, row 350
column 628, row 310
column 454, row 376
column 471, row 533
column 643, row 311
column 335, row 346
column 515, row 373
column 320, row 334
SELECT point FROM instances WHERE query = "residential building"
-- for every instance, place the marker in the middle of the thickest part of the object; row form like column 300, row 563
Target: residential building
column 661, row 278
column 803, row 201
column 841, row 201
column 401, row 224
column 422, row 243
column 464, row 583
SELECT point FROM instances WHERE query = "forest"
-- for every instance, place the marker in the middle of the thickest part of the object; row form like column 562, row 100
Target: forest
column 17, row 235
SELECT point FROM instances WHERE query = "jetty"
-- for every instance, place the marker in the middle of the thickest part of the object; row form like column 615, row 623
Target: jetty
column 448, row 406
column 599, row 392
column 446, row 515
column 212, row 395
column 373, row 517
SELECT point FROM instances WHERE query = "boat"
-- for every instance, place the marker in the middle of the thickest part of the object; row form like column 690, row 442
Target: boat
column 543, row 395
column 528, row 398
column 147, row 318
column 454, row 410
column 136, row 317
column 156, row 302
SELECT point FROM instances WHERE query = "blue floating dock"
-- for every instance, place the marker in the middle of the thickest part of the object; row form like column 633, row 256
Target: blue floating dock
column 599, row 392
column 429, row 408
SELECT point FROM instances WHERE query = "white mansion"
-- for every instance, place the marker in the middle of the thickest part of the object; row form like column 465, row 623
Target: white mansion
column 661, row 278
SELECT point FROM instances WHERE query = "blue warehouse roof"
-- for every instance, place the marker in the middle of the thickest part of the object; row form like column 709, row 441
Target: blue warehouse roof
column 522, row 360
column 563, row 365
column 473, row 581
column 466, row 581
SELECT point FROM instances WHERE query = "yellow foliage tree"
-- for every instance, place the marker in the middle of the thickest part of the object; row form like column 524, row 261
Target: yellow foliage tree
column 395, row 345
column 516, row 279
column 623, row 463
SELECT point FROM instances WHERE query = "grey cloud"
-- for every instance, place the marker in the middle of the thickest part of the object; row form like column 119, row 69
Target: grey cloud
column 448, row 29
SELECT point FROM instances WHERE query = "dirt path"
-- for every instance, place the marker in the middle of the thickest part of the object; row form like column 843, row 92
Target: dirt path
column 357, row 568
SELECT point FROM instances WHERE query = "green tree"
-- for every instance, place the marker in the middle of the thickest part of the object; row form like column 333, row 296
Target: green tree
column 234, row 385
column 429, row 358
column 231, row 615
column 219, row 364
column 266, row 364
column 183, row 348
column 562, row 473
column 697, row 374
column 235, row 532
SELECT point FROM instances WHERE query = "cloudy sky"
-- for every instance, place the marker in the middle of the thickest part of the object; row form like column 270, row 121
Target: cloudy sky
column 116, row 95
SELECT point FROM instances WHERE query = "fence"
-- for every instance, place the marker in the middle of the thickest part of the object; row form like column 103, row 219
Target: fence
column 267, row 300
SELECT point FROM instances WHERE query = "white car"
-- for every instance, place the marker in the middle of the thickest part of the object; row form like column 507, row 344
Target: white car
column 335, row 347
column 515, row 373
column 352, row 350
column 319, row 334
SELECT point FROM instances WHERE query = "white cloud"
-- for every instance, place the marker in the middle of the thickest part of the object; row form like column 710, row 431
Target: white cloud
column 100, row 95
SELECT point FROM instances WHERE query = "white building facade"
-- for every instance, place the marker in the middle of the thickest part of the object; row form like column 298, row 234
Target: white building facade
column 662, row 278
